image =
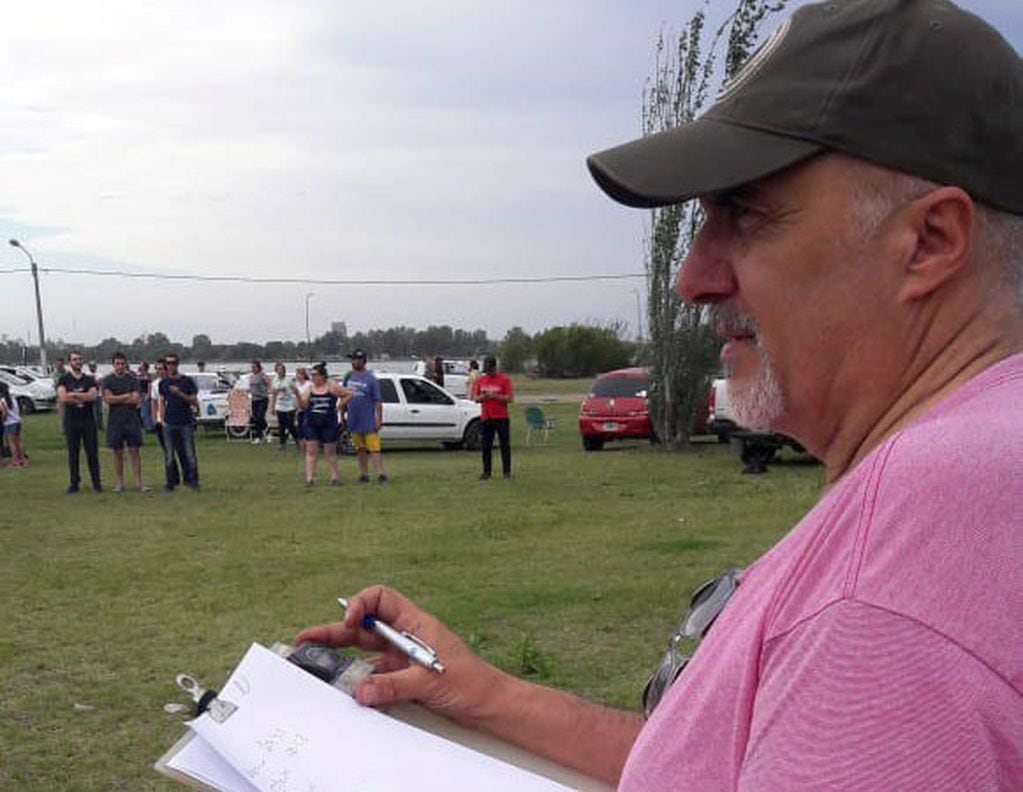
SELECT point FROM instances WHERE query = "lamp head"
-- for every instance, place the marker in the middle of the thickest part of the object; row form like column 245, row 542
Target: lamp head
column 14, row 242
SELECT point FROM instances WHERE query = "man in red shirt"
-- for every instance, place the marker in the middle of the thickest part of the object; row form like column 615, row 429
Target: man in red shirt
column 494, row 393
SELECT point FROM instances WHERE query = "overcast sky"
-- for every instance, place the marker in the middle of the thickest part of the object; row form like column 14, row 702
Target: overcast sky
column 323, row 139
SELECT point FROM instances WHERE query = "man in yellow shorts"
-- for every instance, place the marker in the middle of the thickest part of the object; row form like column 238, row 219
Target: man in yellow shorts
column 365, row 416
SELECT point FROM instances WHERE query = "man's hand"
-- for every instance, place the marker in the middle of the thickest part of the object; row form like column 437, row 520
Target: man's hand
column 558, row 725
column 465, row 692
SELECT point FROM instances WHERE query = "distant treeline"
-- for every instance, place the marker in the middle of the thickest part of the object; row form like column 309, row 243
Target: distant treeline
column 564, row 351
column 394, row 342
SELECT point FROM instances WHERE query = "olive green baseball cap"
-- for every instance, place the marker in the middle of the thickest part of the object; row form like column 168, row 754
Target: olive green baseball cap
column 920, row 86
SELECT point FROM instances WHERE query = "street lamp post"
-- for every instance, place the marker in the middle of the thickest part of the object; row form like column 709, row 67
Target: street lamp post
column 308, row 338
column 39, row 303
column 639, row 317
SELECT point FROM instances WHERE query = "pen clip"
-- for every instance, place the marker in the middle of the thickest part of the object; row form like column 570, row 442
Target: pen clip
column 420, row 642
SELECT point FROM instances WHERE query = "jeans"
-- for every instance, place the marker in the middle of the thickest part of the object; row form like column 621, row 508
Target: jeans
column 173, row 473
column 78, row 433
column 286, row 426
column 259, row 407
column 500, row 426
column 179, row 441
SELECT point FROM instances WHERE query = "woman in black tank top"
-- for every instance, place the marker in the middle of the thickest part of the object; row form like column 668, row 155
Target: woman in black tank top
column 320, row 426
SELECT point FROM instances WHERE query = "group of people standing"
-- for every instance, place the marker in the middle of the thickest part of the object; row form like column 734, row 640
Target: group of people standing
column 134, row 405
column 312, row 408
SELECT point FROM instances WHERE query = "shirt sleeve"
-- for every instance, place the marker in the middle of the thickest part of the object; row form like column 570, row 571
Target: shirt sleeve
column 859, row 698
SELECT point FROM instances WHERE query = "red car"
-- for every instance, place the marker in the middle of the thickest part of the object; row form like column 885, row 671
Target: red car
column 616, row 408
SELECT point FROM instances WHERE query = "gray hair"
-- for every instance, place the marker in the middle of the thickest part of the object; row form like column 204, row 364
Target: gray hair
column 999, row 235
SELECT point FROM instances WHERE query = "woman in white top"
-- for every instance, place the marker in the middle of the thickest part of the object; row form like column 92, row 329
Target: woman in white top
column 283, row 394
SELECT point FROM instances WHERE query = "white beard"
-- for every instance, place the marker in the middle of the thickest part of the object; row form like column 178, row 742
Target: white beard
column 757, row 404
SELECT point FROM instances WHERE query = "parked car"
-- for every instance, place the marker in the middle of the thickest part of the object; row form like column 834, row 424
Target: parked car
column 33, row 395
column 416, row 409
column 455, row 374
column 616, row 408
column 213, row 389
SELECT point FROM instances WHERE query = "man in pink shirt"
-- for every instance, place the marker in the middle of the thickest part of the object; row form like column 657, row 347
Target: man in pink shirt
column 862, row 257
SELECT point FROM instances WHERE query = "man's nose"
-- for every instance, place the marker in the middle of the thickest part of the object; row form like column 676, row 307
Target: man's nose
column 706, row 275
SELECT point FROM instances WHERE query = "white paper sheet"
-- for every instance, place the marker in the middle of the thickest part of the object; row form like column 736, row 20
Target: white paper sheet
column 293, row 733
column 199, row 760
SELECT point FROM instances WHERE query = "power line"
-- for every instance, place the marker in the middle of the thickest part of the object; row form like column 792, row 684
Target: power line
column 336, row 281
column 16, row 269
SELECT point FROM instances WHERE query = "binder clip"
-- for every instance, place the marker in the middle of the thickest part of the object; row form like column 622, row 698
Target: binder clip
column 205, row 700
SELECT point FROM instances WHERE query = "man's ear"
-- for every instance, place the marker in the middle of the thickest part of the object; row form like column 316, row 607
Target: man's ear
column 943, row 224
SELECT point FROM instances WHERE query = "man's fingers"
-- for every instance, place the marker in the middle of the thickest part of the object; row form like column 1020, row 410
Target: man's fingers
column 335, row 634
column 380, row 690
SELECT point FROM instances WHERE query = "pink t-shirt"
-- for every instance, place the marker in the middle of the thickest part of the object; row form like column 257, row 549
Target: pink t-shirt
column 879, row 645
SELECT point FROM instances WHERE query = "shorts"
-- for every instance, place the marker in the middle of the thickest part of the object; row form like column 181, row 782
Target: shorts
column 119, row 436
column 12, row 429
column 328, row 434
column 366, row 441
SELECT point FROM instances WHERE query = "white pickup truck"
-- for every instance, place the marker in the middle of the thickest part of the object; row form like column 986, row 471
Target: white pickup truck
column 756, row 449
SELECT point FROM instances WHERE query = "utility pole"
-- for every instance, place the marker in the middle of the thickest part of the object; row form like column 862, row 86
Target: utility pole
column 39, row 303
column 308, row 338
column 639, row 317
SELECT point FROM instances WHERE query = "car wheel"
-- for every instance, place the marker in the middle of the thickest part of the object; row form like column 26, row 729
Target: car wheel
column 472, row 439
column 26, row 405
column 238, row 432
column 345, row 444
column 592, row 443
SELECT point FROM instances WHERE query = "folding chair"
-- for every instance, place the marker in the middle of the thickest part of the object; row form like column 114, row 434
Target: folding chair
column 536, row 422
column 237, row 425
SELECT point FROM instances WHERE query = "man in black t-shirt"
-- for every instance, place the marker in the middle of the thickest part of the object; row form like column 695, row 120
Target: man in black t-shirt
column 177, row 399
column 124, row 425
column 77, row 392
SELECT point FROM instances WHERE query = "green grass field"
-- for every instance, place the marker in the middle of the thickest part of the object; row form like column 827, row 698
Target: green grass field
column 572, row 574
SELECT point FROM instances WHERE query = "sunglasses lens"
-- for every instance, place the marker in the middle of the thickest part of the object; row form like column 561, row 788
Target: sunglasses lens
column 707, row 603
column 667, row 672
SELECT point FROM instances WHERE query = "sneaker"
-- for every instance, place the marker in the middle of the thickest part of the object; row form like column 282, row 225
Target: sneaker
column 382, row 478
column 484, row 477
column 118, row 488
column 335, row 482
column 97, row 488
column 255, row 441
column 507, row 475
column 309, row 484
column 72, row 489
column 144, row 488
column 168, row 488
column 364, row 479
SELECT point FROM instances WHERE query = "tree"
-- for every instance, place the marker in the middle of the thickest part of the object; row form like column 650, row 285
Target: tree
column 683, row 350
column 580, row 350
column 202, row 347
column 516, row 349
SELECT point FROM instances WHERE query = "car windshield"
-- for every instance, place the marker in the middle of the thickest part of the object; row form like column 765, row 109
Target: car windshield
column 18, row 377
column 621, row 387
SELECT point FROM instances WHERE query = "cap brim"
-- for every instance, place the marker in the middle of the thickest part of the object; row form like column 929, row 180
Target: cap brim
column 702, row 157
